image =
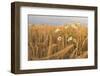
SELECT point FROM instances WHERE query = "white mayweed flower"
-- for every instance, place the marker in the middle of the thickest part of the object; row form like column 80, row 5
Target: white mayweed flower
column 74, row 26
column 70, row 38
column 57, row 30
column 59, row 38
column 66, row 27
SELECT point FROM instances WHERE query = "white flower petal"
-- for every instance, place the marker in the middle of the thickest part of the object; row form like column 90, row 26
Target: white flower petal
column 57, row 30
column 59, row 38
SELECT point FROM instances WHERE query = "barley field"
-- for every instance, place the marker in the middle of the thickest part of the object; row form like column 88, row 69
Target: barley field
column 48, row 42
